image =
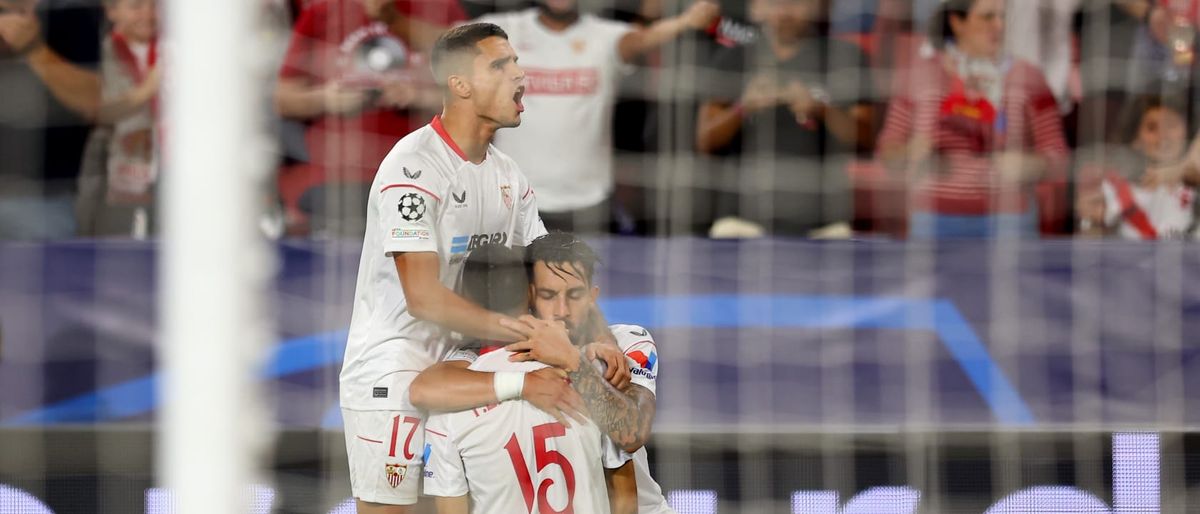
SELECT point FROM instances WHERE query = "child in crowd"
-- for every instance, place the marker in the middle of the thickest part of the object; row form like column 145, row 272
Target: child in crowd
column 119, row 187
column 1136, row 196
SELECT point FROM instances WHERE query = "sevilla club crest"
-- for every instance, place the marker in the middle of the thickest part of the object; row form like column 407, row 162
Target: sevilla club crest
column 395, row 474
column 506, row 194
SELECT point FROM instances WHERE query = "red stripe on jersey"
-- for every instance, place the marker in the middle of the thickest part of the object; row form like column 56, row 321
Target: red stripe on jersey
column 441, row 131
column 1130, row 209
column 418, row 188
column 369, row 440
column 435, row 432
column 527, row 193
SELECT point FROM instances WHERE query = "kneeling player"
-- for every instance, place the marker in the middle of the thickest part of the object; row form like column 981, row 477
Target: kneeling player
column 498, row 453
column 562, row 268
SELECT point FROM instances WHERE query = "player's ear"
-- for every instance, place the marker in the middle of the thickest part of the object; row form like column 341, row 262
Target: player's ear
column 595, row 292
column 459, row 86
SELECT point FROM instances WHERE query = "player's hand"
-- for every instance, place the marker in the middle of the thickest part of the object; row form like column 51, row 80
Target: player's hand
column 616, row 371
column 545, row 341
column 701, row 14
column 20, row 30
column 548, row 389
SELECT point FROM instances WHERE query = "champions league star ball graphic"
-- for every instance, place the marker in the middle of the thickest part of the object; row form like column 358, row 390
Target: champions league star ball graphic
column 412, row 207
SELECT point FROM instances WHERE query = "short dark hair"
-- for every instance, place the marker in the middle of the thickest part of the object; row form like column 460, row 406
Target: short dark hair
column 495, row 277
column 1136, row 110
column 457, row 40
column 562, row 249
column 940, row 31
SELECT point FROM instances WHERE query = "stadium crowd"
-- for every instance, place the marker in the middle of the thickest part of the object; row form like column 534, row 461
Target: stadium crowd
column 926, row 119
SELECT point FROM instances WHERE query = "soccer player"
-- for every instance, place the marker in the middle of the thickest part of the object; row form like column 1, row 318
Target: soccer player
column 563, row 291
column 442, row 190
column 489, row 452
column 561, row 270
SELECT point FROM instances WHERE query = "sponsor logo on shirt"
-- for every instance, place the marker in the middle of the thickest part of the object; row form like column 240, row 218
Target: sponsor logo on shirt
column 412, row 175
column 581, row 81
column 401, row 234
column 460, row 198
column 644, row 359
column 464, row 244
column 645, row 362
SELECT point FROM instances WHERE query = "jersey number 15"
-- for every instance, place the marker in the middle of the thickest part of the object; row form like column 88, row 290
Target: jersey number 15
column 543, row 458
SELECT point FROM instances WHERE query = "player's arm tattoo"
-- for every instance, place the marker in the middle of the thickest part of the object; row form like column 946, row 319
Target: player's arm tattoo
column 618, row 414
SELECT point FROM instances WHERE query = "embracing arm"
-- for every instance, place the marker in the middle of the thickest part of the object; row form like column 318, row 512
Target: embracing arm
column 429, row 300
column 449, row 386
column 625, row 417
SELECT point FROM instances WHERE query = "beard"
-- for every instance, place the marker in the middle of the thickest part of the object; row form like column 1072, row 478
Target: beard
column 577, row 336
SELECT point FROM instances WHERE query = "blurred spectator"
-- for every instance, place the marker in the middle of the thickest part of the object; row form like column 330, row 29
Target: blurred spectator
column 1134, row 195
column 1164, row 50
column 792, row 99
column 356, row 72
column 51, row 93
column 1041, row 33
column 572, row 62
column 116, row 184
column 974, row 128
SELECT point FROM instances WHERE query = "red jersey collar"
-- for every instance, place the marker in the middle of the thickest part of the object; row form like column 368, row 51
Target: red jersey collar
column 441, row 131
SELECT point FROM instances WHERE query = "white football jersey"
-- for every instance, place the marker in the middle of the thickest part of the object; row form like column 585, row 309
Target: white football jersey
column 426, row 197
column 1169, row 210
column 513, row 457
column 642, row 357
column 641, row 354
column 564, row 143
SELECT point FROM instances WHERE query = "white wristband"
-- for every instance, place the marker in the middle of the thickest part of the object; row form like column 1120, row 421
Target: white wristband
column 508, row 385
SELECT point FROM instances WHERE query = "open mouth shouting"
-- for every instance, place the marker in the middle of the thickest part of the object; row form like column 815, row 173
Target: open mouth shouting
column 517, row 98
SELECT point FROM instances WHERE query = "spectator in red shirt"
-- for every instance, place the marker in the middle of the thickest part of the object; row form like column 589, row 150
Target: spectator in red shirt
column 974, row 128
column 355, row 72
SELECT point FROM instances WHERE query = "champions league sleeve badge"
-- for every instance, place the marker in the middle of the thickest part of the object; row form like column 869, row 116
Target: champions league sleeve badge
column 412, row 207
